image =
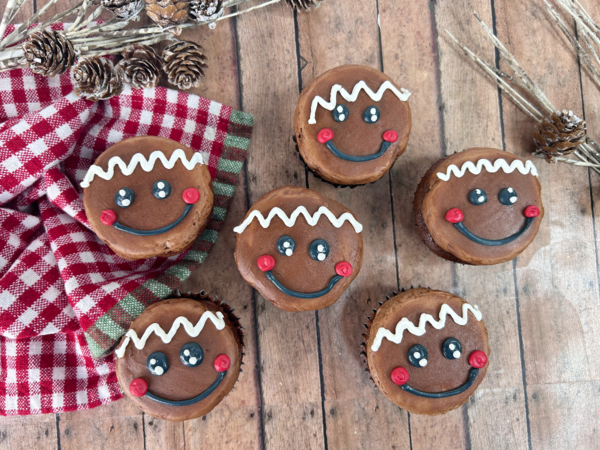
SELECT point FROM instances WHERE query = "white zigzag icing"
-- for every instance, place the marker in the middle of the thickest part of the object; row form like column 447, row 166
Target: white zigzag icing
column 403, row 95
column 407, row 325
column 146, row 164
column 191, row 330
column 290, row 221
column 499, row 164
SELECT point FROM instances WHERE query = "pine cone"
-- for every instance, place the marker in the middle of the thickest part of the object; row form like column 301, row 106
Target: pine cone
column 184, row 64
column 124, row 9
column 560, row 134
column 49, row 53
column 140, row 66
column 168, row 13
column 206, row 10
column 95, row 78
column 303, row 4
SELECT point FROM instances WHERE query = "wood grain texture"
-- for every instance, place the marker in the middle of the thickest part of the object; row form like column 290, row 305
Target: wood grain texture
column 303, row 384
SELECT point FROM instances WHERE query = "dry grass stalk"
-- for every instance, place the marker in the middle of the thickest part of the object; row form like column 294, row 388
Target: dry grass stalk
column 587, row 153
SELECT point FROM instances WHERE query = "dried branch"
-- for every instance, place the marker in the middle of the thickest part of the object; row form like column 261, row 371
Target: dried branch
column 545, row 113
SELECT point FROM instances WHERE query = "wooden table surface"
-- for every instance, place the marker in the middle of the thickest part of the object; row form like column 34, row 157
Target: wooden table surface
column 304, row 385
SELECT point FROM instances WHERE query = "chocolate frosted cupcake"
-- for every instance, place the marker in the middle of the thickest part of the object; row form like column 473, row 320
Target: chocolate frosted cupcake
column 148, row 196
column 180, row 357
column 480, row 206
column 427, row 350
column 299, row 249
column 351, row 124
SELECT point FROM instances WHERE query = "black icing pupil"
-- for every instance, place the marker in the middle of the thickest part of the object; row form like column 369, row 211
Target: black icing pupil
column 508, row 196
column 191, row 354
column 124, row 197
column 161, row 189
column 319, row 250
column 157, row 363
column 286, row 245
column 340, row 113
column 417, row 355
column 371, row 114
column 478, row 197
column 451, row 348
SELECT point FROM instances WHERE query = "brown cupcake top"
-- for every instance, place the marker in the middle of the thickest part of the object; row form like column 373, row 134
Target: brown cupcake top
column 296, row 262
column 427, row 350
column 364, row 110
column 130, row 187
column 482, row 205
column 187, row 349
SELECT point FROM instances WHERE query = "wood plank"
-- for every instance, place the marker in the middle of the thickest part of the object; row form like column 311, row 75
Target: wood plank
column 564, row 415
column 557, row 276
column 328, row 37
column 116, row 425
column 288, row 361
column 37, row 432
column 411, row 58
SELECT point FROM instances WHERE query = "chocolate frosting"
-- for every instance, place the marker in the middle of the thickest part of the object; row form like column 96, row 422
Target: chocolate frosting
column 147, row 212
column 491, row 220
column 181, row 382
column 298, row 272
column 440, row 374
column 353, row 136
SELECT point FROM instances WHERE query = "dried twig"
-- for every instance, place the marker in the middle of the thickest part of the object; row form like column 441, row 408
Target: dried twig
column 588, row 152
column 89, row 37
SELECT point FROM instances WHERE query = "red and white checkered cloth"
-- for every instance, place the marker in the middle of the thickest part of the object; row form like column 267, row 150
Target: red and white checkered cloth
column 57, row 280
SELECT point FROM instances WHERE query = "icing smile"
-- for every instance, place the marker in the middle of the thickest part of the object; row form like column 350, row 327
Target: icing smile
column 109, row 217
column 456, row 217
column 266, row 263
column 139, row 386
column 477, row 360
column 459, row 390
column 326, row 135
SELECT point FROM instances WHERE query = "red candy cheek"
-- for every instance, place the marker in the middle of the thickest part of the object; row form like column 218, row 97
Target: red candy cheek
column 138, row 387
column 454, row 215
column 108, row 217
column 222, row 363
column 399, row 376
column 343, row 269
column 265, row 262
column 325, row 135
column 390, row 136
column 191, row 196
column 478, row 359
column 531, row 211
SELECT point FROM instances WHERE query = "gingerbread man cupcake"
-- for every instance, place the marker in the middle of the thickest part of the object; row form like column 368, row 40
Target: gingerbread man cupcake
column 180, row 357
column 351, row 124
column 481, row 206
column 148, row 196
column 427, row 350
column 299, row 249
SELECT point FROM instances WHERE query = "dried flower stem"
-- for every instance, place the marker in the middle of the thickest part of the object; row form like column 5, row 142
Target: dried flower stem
column 88, row 37
column 588, row 153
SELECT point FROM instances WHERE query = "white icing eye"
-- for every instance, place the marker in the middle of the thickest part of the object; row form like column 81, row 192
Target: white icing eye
column 371, row 114
column 508, row 196
column 417, row 355
column 340, row 113
column 191, row 354
column 477, row 197
column 161, row 189
column 157, row 363
column 452, row 348
column 286, row 245
column 319, row 250
column 124, row 197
